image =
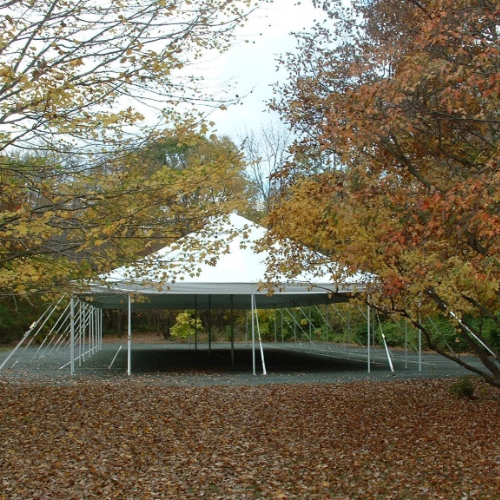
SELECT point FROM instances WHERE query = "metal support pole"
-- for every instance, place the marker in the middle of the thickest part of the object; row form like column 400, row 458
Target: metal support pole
column 45, row 316
column 129, row 338
column 255, row 321
column 72, row 338
column 261, row 347
column 387, row 352
column 114, row 358
column 101, row 327
column 7, row 359
column 96, row 328
column 253, row 338
column 81, row 327
column 58, row 325
column 91, row 331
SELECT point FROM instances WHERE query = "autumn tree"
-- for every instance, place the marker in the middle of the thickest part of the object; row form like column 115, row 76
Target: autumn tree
column 77, row 80
column 405, row 96
column 219, row 162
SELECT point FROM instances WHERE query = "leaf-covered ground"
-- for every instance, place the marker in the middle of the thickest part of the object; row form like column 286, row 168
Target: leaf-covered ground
column 361, row 440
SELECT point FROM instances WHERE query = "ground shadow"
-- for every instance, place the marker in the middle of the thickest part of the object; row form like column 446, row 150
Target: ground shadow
column 149, row 360
column 176, row 363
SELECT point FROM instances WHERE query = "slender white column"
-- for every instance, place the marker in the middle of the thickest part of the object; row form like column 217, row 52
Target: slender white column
column 261, row 347
column 58, row 326
column 83, row 330
column 98, row 329
column 72, row 337
column 253, row 337
column 101, row 326
column 91, row 331
column 129, row 338
column 387, row 353
column 95, row 328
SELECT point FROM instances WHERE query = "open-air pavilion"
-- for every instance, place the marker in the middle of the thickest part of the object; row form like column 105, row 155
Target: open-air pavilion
column 219, row 267
column 230, row 275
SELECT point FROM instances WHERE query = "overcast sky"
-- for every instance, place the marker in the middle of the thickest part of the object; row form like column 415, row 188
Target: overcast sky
column 253, row 65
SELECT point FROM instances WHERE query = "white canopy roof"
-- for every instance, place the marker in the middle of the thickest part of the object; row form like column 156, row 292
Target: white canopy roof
column 218, row 267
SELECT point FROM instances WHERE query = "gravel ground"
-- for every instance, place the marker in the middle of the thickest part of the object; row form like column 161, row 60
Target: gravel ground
column 168, row 363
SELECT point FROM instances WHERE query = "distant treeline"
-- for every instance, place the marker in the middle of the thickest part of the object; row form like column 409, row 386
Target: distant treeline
column 340, row 323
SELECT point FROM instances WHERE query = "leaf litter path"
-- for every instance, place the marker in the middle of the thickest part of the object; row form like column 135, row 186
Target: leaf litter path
column 403, row 439
column 187, row 425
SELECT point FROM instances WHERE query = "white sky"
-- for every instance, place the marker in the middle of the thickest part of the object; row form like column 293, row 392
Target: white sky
column 253, row 65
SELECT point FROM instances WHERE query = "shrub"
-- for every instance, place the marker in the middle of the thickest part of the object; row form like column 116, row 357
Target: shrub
column 463, row 388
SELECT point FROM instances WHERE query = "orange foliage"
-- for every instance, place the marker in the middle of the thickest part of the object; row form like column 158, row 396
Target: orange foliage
column 405, row 95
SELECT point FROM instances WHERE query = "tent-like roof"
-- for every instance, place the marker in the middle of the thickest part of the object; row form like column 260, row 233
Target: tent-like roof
column 218, row 267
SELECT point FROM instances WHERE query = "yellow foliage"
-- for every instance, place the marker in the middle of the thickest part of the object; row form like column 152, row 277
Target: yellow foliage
column 78, row 194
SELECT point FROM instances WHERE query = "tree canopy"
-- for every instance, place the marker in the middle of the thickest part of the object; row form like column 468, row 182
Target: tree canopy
column 77, row 79
column 77, row 70
column 404, row 97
